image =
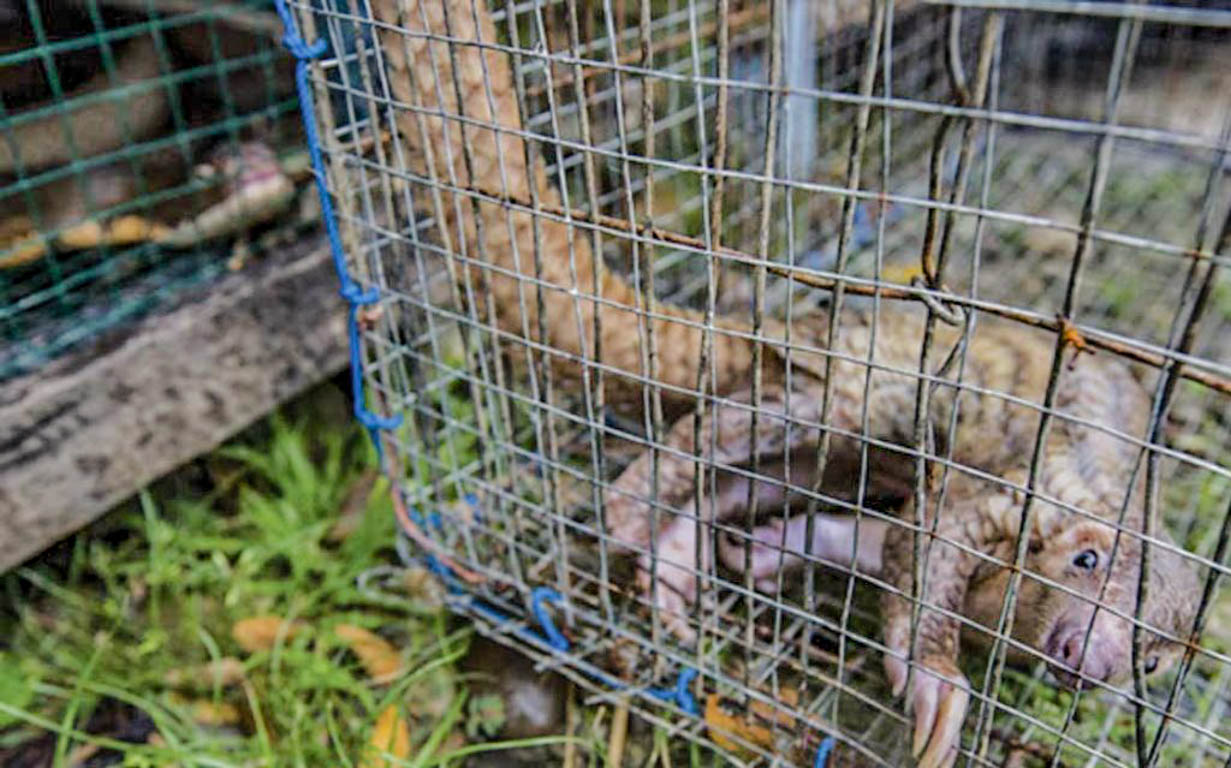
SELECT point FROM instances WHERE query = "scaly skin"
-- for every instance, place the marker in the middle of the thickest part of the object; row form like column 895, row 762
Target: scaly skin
column 1081, row 465
column 501, row 246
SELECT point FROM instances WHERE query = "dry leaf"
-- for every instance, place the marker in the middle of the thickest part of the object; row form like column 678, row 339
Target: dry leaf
column 350, row 514
column 226, row 672
column 389, row 736
column 206, row 712
column 423, row 585
column 23, row 252
column 87, row 234
column 380, row 659
column 127, row 230
column 726, row 719
column 19, row 237
column 260, row 633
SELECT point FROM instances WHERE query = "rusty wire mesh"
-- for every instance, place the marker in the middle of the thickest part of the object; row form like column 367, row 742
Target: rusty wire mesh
column 1058, row 168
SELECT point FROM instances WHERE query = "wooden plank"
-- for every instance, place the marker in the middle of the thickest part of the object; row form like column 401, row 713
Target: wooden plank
column 90, row 429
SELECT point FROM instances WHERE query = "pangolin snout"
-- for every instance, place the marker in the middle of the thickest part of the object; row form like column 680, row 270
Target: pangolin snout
column 1099, row 662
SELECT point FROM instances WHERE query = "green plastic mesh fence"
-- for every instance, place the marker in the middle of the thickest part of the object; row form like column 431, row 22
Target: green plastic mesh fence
column 139, row 157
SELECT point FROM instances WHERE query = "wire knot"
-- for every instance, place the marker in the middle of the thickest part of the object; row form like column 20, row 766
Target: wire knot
column 300, row 49
column 681, row 694
column 948, row 312
column 555, row 638
column 372, row 422
column 357, row 297
column 1072, row 337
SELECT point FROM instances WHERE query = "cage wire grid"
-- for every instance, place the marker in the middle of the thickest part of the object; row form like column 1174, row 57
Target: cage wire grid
column 107, row 111
column 498, row 171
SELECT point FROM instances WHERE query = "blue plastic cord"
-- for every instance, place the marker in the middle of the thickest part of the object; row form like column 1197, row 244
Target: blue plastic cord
column 555, row 638
column 354, row 295
column 822, row 752
column 680, row 694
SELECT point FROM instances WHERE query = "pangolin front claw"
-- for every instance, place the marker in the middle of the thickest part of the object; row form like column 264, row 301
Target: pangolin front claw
column 938, row 697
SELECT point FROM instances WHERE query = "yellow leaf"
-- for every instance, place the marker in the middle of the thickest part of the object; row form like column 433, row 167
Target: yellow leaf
column 207, row 712
column 87, row 234
column 901, row 274
column 726, row 720
column 380, row 659
column 723, row 722
column 127, row 230
column 389, row 736
column 22, row 252
column 225, row 672
column 260, row 633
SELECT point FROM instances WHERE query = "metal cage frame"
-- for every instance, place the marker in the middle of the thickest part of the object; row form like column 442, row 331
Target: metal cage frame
column 960, row 160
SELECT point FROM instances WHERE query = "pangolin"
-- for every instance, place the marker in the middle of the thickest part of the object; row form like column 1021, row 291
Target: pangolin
column 1085, row 473
column 462, row 142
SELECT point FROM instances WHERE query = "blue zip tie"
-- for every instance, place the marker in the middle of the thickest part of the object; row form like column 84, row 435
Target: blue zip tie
column 680, row 694
column 355, row 296
column 683, row 694
column 554, row 637
column 822, row 752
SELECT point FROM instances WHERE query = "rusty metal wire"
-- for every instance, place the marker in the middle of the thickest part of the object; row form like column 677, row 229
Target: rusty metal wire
column 1060, row 169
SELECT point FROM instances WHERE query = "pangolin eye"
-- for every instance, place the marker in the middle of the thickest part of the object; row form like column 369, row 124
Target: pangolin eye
column 1086, row 560
column 1151, row 665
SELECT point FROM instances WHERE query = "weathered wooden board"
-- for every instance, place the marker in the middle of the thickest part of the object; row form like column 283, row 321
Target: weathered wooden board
column 91, row 428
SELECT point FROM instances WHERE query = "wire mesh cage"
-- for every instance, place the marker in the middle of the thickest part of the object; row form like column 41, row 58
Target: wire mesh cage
column 837, row 381
column 138, row 140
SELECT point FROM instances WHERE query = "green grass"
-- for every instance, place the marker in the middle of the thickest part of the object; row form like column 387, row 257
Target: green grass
column 102, row 639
